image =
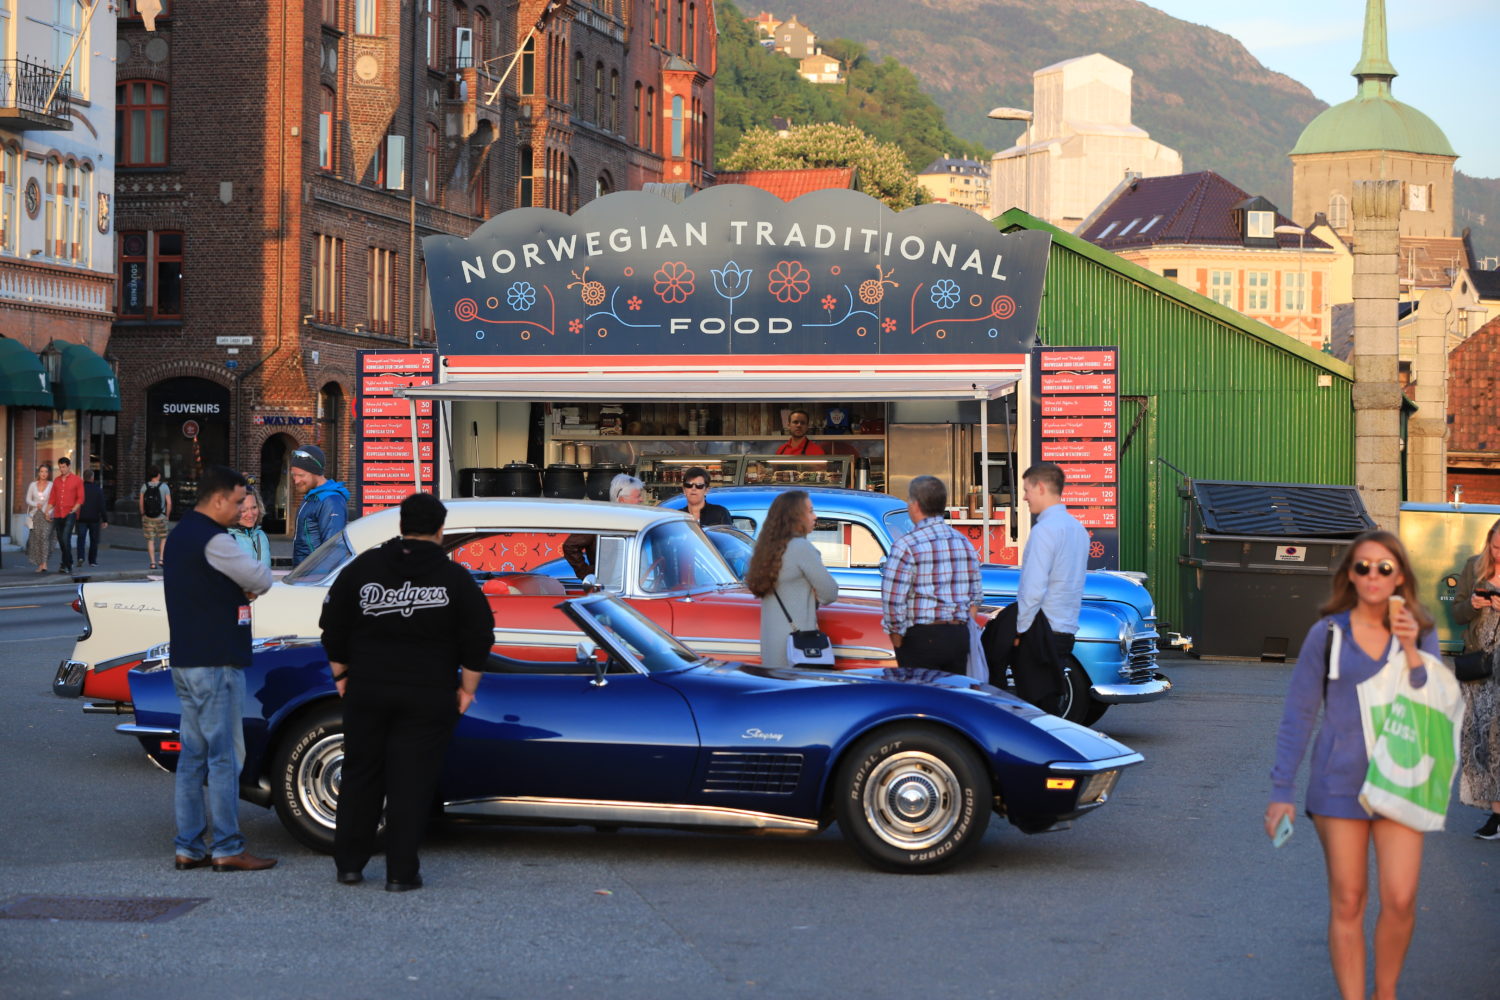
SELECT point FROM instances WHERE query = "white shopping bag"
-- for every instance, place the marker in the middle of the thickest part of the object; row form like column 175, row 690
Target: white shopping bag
column 1411, row 737
column 978, row 666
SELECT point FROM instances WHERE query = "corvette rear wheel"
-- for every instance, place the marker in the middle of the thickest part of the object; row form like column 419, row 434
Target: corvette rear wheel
column 913, row 799
column 306, row 776
column 1077, row 704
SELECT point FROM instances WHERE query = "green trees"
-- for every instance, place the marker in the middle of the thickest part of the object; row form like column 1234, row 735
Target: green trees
column 881, row 167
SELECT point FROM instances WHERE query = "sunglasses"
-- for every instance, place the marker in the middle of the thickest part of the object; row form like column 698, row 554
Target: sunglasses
column 695, row 486
column 1385, row 567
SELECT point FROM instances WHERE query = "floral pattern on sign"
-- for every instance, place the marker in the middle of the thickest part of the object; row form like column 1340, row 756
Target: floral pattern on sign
column 731, row 281
column 789, row 281
column 521, row 297
column 592, row 292
column 945, row 293
column 675, row 281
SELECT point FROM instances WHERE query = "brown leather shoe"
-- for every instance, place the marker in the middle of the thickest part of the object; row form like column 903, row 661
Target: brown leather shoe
column 185, row 863
column 245, row 862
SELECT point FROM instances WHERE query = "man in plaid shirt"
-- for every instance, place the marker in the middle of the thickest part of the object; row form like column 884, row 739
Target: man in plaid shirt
column 931, row 586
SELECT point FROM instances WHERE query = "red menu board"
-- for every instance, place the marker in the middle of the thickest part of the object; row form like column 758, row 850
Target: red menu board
column 387, row 473
column 1074, row 411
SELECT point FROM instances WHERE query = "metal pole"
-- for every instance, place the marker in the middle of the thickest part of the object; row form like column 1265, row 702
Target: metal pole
column 984, row 471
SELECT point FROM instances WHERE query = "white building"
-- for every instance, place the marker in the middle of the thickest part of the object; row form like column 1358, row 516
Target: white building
column 1079, row 144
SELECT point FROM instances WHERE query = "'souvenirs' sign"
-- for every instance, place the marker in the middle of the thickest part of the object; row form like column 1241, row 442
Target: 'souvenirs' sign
column 734, row 270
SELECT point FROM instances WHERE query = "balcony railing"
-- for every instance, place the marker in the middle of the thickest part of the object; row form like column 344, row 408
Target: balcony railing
column 24, row 89
column 54, row 288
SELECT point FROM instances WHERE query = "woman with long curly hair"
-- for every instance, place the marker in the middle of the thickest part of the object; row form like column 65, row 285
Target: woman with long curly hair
column 1375, row 610
column 39, row 509
column 1476, row 604
column 786, row 565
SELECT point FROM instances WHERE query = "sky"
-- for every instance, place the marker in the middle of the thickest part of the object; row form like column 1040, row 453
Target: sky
column 1444, row 52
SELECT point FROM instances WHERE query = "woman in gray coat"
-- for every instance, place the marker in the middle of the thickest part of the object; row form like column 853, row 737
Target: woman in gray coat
column 786, row 564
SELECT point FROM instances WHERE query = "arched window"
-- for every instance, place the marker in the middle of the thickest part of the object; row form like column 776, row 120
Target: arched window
column 10, row 183
column 570, row 193
column 677, row 127
column 327, row 134
column 1338, row 212
column 528, row 66
column 603, row 185
column 331, row 425
column 141, row 123
column 430, row 185
column 83, row 243
column 51, row 247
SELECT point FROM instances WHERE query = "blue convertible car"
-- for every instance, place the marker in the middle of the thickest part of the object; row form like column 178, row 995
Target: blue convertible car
column 639, row 730
column 1117, row 636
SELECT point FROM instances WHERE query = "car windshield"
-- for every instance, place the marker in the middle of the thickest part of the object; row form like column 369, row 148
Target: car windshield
column 897, row 523
column 621, row 626
column 676, row 556
column 318, row 568
column 734, row 546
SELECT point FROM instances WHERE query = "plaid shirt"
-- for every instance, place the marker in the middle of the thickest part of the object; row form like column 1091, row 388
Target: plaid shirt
column 932, row 575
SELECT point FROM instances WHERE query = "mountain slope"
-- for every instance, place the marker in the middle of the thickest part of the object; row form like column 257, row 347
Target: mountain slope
column 1196, row 89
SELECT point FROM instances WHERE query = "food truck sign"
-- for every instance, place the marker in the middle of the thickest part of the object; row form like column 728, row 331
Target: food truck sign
column 735, row 270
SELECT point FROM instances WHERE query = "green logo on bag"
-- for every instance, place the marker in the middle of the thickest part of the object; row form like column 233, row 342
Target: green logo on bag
column 1413, row 756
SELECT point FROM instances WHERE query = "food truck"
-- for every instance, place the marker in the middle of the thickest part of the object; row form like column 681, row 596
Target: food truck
column 648, row 336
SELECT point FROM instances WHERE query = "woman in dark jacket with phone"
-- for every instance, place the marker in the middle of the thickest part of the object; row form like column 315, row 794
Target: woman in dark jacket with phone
column 786, row 565
column 1373, row 607
column 1477, row 604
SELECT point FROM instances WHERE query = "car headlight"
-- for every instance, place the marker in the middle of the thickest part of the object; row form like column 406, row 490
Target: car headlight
column 1127, row 638
column 1098, row 787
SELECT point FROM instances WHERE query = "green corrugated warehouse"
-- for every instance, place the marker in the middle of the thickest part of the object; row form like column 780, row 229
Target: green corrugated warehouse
column 1202, row 387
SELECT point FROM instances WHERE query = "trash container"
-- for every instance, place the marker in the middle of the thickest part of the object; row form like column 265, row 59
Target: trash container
column 1256, row 561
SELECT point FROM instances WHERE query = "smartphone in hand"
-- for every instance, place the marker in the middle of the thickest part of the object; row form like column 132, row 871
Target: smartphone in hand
column 1283, row 831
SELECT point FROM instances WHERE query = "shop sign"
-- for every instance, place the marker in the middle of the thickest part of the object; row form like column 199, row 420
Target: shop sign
column 386, row 385
column 1078, row 428
column 1078, row 406
column 1074, row 382
column 393, row 407
column 395, row 428
column 735, row 270
column 280, row 420
column 185, row 408
column 395, row 451
column 190, row 428
column 394, row 472
column 381, row 362
column 383, row 428
column 1074, row 408
column 1088, row 472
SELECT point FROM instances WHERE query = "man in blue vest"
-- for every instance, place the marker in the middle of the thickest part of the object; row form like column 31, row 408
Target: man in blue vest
column 325, row 504
column 209, row 582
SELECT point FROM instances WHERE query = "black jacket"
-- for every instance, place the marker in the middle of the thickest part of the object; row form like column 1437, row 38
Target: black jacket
column 92, row 508
column 404, row 613
column 713, row 513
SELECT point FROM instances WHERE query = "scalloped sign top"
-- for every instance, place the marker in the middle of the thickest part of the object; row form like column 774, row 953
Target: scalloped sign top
column 735, row 270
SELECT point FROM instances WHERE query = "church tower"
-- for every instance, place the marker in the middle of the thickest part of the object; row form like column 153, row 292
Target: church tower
column 1374, row 137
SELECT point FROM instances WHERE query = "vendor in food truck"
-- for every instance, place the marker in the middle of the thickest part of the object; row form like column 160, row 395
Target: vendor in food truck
column 799, row 443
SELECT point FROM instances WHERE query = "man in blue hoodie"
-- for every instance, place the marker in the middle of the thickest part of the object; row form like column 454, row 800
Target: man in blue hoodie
column 325, row 504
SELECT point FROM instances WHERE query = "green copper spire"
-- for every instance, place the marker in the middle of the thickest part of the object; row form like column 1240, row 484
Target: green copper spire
column 1373, row 58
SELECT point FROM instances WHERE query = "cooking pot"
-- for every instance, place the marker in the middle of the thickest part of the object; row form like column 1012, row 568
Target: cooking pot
column 518, row 479
column 563, row 481
column 596, row 483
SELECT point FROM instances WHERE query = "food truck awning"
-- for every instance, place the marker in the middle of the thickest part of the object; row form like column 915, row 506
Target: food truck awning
column 723, row 386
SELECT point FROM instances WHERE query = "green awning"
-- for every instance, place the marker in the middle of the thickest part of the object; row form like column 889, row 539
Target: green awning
column 86, row 381
column 23, row 380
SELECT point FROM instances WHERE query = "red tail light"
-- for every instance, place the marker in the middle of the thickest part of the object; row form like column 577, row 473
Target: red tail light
column 77, row 605
column 171, row 746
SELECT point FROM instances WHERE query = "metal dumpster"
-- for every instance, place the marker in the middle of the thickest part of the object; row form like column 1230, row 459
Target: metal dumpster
column 1256, row 562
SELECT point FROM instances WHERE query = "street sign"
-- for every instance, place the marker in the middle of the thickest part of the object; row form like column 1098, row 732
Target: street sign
column 234, row 341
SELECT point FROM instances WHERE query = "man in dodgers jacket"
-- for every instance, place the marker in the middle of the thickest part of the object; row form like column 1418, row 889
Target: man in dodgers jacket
column 398, row 624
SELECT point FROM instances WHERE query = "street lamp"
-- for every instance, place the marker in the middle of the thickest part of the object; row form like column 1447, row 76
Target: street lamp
column 1302, row 296
column 1019, row 115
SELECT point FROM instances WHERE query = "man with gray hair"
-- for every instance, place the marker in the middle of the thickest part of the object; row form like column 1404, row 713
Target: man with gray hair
column 931, row 585
column 625, row 488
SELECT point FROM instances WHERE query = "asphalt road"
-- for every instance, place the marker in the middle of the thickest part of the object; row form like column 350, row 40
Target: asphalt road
column 40, row 612
column 1170, row 891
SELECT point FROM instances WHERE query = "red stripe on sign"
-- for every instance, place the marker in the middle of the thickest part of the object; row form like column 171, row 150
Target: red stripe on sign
column 376, row 472
column 1089, row 472
column 1078, row 451
column 1078, row 383
column 397, row 363
column 1078, row 428
column 1078, row 406
column 1088, row 361
column 395, row 408
column 1097, row 518
column 757, row 362
column 385, row 385
column 395, row 451
column 1090, row 496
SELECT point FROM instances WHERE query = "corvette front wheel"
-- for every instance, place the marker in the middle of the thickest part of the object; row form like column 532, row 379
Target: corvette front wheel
column 913, row 799
column 306, row 777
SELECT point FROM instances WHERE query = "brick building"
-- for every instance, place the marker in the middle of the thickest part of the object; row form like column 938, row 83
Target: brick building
column 296, row 153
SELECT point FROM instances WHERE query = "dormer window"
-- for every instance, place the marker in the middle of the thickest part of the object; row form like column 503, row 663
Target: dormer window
column 1107, row 230
column 1260, row 225
column 1129, row 226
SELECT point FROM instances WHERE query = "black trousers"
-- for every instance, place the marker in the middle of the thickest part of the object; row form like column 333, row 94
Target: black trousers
column 88, row 535
column 395, row 736
column 62, row 527
column 935, row 647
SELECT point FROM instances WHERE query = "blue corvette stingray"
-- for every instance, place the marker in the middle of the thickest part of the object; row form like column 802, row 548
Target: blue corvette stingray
column 638, row 730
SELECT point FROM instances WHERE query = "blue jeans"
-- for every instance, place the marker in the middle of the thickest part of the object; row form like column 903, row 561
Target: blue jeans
column 88, row 540
column 213, row 751
column 62, row 527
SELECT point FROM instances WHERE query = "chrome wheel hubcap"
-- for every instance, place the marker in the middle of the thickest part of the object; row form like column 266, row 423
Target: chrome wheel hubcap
column 912, row 800
column 319, row 774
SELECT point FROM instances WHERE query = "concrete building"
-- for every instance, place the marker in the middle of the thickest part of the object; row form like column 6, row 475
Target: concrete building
column 795, row 39
column 302, row 151
column 58, row 396
column 1212, row 237
column 820, row 68
column 961, row 182
column 1079, row 144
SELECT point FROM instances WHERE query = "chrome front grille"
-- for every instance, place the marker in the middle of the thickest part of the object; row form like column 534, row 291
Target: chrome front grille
column 1140, row 666
column 754, row 773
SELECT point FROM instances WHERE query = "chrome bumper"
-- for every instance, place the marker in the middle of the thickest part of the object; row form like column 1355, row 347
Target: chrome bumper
column 68, row 681
column 1123, row 694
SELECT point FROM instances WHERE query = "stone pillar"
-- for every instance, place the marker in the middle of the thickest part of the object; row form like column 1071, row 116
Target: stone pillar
column 1376, row 209
column 1426, row 432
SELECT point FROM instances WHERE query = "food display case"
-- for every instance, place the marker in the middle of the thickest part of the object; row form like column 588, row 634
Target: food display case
column 797, row 470
column 663, row 475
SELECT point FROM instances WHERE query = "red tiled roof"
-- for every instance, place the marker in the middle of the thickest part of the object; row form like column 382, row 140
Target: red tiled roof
column 1474, row 391
column 789, row 184
column 1193, row 208
column 1432, row 261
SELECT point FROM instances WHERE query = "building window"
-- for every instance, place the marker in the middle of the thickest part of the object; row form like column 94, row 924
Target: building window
column 331, row 13
column 528, row 66
column 578, row 83
column 150, row 275
column 1221, row 287
column 571, row 195
column 382, row 288
column 328, row 280
column 614, row 101
column 430, row 23
column 650, row 143
column 326, row 131
column 1260, row 225
column 603, row 185
column 1257, row 291
column 66, row 23
column 10, row 216
column 1294, row 291
column 141, row 123
column 677, row 127
column 429, row 321
column 463, row 38
column 681, row 43
column 364, row 17
column 1169, row 272
column 638, row 119
column 599, row 116
column 525, row 165
column 430, row 167
column 481, row 28
column 690, row 43
column 83, row 195
column 1338, row 212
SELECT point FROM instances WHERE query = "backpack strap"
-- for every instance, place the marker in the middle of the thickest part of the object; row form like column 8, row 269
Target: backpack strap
column 1333, row 647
